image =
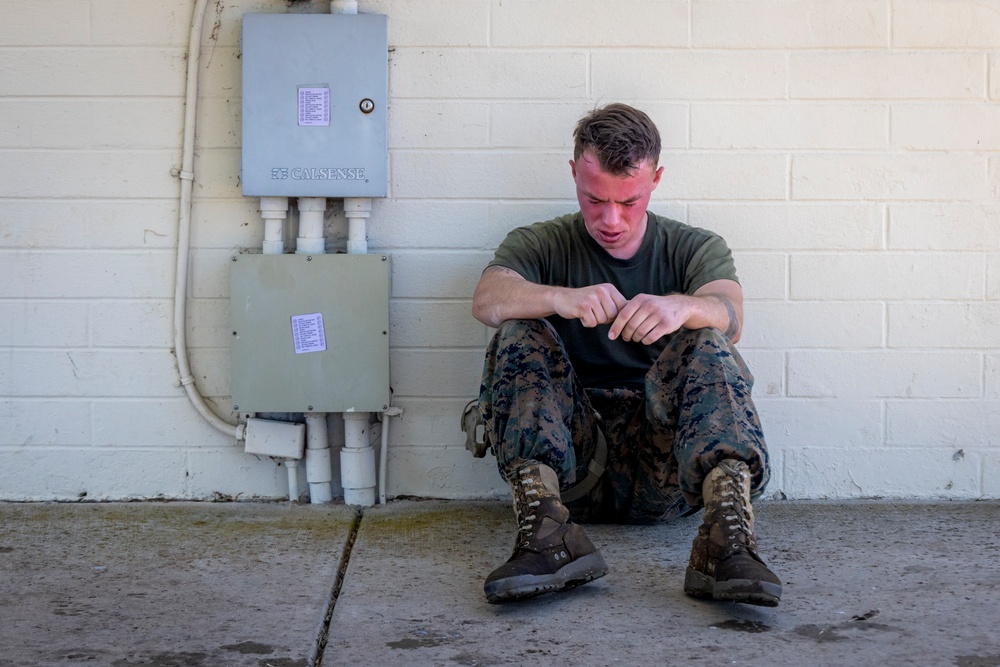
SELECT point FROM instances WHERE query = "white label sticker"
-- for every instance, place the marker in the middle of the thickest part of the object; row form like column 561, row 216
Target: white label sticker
column 314, row 106
column 307, row 333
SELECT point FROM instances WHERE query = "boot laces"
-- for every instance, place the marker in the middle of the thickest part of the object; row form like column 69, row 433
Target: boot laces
column 527, row 487
column 735, row 512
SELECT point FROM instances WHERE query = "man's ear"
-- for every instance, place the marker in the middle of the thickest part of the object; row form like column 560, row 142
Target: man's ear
column 572, row 168
column 656, row 176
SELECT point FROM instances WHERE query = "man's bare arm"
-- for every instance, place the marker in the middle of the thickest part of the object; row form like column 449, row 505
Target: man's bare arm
column 729, row 295
column 503, row 294
column 647, row 317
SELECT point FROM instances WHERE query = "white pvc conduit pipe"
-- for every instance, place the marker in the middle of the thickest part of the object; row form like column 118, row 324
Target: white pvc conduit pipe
column 311, row 240
column 186, row 175
column 344, row 6
column 383, row 454
column 318, row 471
column 357, row 461
column 274, row 210
column 292, row 466
column 357, row 210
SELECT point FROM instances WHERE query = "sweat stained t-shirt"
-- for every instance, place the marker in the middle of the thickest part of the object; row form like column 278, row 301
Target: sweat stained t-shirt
column 674, row 258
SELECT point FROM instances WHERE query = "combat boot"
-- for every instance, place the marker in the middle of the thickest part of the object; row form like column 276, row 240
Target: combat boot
column 551, row 552
column 725, row 564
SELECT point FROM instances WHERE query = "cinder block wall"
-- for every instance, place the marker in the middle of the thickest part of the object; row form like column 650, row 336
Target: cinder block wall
column 848, row 150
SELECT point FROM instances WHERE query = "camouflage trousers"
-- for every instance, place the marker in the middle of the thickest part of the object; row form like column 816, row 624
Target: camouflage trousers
column 694, row 411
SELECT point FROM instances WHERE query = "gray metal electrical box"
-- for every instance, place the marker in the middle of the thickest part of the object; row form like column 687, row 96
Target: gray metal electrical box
column 310, row 333
column 315, row 92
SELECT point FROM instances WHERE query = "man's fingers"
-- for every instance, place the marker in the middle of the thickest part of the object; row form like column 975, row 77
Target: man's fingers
column 645, row 320
column 597, row 304
column 625, row 313
column 619, row 300
column 611, row 306
column 654, row 334
column 638, row 326
column 605, row 302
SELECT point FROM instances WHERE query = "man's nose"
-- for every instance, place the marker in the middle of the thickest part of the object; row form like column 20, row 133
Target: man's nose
column 613, row 216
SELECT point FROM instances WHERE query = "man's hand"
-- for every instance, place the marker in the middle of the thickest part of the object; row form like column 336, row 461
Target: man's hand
column 647, row 318
column 593, row 305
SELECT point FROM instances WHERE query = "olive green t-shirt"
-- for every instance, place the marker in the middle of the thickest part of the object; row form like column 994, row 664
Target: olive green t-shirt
column 673, row 258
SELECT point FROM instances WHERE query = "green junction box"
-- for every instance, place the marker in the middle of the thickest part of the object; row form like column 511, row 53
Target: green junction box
column 310, row 333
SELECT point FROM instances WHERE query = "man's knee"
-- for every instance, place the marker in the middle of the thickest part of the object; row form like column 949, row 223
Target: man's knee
column 706, row 355
column 517, row 330
column 706, row 337
column 522, row 348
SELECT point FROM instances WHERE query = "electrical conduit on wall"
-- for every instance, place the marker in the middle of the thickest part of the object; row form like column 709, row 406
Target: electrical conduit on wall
column 186, row 175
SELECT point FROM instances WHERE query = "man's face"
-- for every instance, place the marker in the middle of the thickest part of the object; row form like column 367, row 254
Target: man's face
column 614, row 207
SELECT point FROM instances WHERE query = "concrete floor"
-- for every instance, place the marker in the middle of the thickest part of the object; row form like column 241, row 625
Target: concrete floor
column 220, row 584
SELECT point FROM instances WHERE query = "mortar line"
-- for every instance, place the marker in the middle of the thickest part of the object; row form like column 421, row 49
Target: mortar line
column 316, row 655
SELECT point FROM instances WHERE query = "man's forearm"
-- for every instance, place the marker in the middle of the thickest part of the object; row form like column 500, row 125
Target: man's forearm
column 716, row 311
column 503, row 294
column 721, row 307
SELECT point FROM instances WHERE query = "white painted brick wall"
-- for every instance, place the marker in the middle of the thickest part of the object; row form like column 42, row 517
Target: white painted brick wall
column 887, row 275
column 886, row 75
column 942, row 24
column 789, row 24
column 885, row 374
column 788, row 126
column 846, row 149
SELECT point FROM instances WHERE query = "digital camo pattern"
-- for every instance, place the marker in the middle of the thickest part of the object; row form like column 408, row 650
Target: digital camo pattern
column 695, row 411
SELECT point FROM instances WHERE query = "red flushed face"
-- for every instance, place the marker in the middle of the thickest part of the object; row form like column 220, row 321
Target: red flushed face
column 614, row 207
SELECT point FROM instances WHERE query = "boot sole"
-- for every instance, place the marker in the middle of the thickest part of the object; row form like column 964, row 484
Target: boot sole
column 748, row 591
column 527, row 586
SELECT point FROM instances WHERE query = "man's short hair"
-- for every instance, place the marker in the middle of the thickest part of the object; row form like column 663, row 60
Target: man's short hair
column 620, row 137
